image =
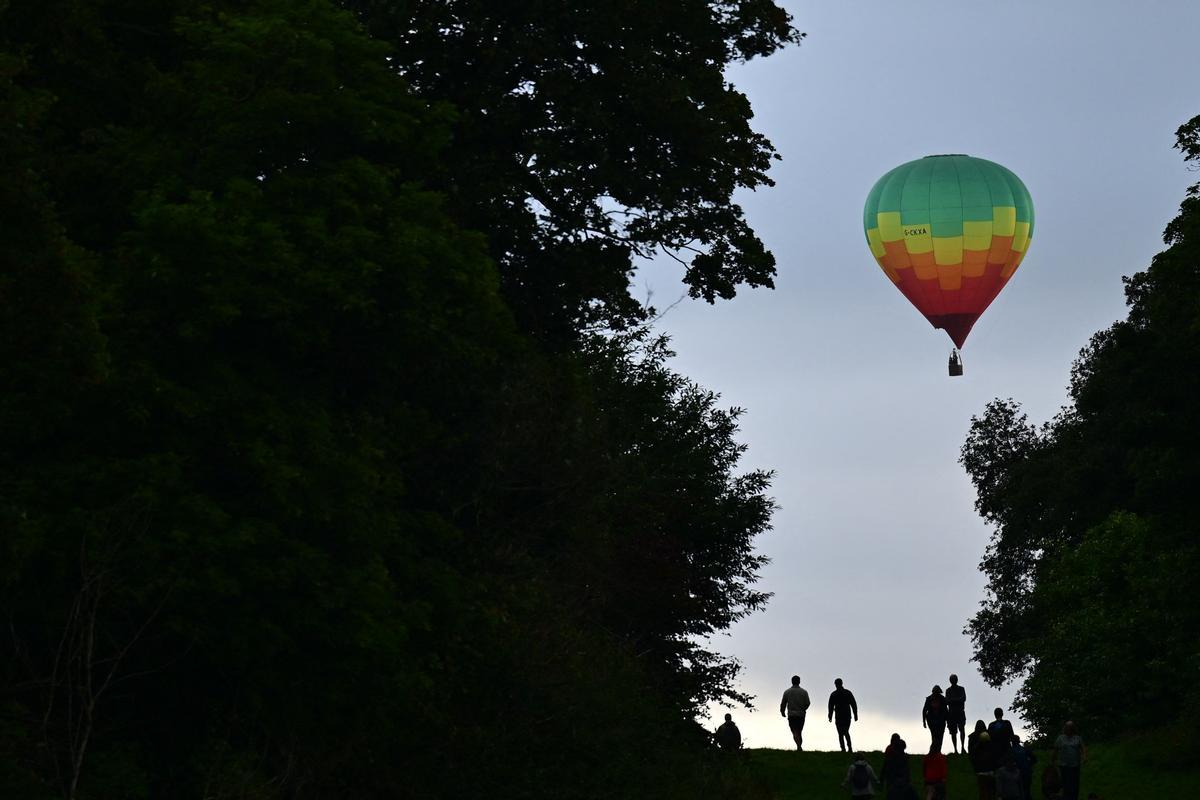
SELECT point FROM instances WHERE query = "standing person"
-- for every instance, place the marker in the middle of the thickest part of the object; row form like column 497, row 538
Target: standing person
column 956, row 713
column 841, row 704
column 1069, row 754
column 983, row 761
column 895, row 762
column 1008, row 781
column 860, row 778
column 1001, row 731
column 1025, row 760
column 793, row 706
column 728, row 737
column 933, row 716
column 935, row 769
column 901, row 790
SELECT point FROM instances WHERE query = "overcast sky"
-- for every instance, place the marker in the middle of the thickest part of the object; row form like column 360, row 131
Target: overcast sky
column 876, row 543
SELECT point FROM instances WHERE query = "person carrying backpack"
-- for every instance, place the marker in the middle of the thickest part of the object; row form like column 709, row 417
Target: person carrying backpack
column 860, row 778
column 933, row 716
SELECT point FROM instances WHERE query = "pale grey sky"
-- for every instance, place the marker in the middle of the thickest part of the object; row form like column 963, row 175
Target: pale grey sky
column 876, row 544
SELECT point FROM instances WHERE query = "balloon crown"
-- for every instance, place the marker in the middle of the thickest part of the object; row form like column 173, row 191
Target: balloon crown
column 949, row 155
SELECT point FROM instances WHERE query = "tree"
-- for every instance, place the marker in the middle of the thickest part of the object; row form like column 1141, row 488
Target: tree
column 362, row 536
column 1093, row 517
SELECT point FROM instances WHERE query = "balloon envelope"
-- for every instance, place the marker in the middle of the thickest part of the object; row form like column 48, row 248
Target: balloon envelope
column 949, row 231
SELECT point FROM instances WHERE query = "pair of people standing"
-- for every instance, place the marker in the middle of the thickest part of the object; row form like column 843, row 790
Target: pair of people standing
column 942, row 710
column 894, row 774
column 842, row 706
column 992, row 750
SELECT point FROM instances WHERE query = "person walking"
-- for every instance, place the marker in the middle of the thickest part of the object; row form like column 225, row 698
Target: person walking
column 1069, row 754
column 983, row 761
column 1025, row 760
column 935, row 769
column 1008, row 781
column 956, row 713
column 933, row 716
column 728, row 737
column 1001, row 731
column 860, row 778
column 841, row 705
column 794, row 705
column 895, row 762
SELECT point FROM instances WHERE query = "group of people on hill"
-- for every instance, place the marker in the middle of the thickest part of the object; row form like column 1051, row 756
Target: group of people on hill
column 1003, row 766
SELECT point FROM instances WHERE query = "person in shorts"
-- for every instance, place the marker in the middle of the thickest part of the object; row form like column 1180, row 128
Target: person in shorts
column 956, row 713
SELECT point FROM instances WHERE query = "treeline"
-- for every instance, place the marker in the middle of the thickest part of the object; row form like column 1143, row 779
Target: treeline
column 336, row 459
column 1095, row 561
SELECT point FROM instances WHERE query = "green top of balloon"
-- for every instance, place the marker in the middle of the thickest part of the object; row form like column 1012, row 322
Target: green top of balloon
column 946, row 191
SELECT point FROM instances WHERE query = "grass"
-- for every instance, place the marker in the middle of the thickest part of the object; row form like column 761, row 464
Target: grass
column 1116, row 772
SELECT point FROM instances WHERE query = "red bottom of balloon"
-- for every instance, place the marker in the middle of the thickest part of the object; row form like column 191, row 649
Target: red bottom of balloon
column 953, row 310
column 956, row 326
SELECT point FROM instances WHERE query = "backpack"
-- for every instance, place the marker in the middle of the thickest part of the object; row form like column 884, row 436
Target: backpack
column 936, row 707
column 861, row 779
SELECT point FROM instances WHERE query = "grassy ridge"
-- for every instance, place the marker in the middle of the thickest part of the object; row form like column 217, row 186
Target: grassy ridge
column 1113, row 771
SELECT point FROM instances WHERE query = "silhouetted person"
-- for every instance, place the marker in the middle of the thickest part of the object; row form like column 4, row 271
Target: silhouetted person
column 1051, row 783
column 1008, row 781
column 841, row 705
column 794, row 705
column 895, row 762
column 860, row 778
column 901, row 790
column 956, row 713
column 1001, row 731
column 935, row 769
column 1025, row 760
column 983, row 761
column 933, row 716
column 728, row 737
column 1069, row 754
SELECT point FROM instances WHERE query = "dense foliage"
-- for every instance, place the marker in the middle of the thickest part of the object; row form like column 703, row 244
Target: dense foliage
column 334, row 458
column 1095, row 557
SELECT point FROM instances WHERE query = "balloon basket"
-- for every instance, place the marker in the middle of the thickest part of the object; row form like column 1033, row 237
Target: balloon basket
column 956, row 365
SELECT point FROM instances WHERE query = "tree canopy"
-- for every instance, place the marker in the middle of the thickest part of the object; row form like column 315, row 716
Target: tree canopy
column 1094, row 551
column 336, row 457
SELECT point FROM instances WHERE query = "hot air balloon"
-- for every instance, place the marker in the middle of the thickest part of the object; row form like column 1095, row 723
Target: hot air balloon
column 949, row 231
